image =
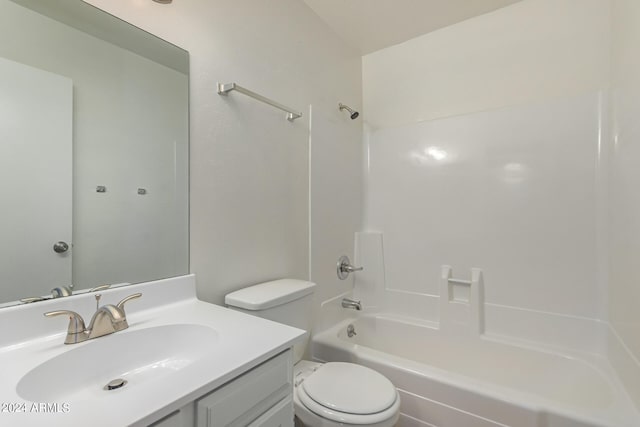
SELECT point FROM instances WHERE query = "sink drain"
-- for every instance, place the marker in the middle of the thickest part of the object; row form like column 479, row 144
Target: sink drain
column 115, row 384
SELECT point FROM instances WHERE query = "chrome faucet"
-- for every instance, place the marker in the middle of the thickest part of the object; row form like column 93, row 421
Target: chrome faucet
column 106, row 320
column 350, row 303
column 344, row 267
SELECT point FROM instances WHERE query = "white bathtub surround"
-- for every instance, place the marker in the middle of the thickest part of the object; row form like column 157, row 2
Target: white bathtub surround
column 507, row 191
column 449, row 381
column 182, row 329
column 510, row 191
column 545, row 203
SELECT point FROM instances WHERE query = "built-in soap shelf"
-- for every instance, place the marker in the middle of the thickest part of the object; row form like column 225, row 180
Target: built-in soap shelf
column 461, row 302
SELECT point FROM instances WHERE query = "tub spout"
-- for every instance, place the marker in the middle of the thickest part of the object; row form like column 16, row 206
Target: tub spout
column 353, row 304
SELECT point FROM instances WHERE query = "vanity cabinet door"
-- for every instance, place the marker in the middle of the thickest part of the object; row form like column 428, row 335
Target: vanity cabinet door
column 281, row 415
column 245, row 399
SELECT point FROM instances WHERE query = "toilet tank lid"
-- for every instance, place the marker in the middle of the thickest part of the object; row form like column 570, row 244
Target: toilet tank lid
column 269, row 294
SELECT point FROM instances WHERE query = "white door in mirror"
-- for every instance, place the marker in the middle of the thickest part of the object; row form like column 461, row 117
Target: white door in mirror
column 36, row 131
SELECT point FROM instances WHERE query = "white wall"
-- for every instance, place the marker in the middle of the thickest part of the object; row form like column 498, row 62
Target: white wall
column 529, row 51
column 250, row 217
column 624, row 195
column 128, row 111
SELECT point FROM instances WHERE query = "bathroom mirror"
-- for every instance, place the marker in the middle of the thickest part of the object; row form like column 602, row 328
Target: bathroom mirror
column 93, row 150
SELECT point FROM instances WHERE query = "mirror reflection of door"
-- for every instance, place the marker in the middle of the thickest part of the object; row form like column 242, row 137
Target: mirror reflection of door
column 36, row 131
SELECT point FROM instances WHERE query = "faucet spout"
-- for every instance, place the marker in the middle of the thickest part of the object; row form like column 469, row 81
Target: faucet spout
column 110, row 318
column 107, row 320
column 352, row 304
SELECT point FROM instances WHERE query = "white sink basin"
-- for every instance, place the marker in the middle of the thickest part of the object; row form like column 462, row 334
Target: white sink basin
column 140, row 357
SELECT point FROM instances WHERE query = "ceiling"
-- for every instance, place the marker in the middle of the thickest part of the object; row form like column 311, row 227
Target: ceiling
column 370, row 25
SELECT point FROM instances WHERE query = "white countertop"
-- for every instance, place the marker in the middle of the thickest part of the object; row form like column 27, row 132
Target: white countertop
column 242, row 342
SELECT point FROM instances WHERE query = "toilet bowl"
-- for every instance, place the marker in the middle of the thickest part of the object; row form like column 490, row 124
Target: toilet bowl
column 335, row 393
column 325, row 394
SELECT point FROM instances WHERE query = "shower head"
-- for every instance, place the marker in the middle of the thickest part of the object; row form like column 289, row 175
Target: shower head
column 354, row 113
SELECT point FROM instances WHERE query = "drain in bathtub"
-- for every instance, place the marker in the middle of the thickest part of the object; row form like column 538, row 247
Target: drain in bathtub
column 115, row 384
column 351, row 331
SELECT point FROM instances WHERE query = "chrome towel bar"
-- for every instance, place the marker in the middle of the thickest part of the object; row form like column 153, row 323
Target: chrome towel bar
column 224, row 89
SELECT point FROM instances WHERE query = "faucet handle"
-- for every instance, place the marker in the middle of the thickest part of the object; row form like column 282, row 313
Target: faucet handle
column 76, row 325
column 120, row 305
column 344, row 267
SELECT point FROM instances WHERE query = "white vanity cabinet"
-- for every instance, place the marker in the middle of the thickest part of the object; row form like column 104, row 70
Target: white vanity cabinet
column 260, row 397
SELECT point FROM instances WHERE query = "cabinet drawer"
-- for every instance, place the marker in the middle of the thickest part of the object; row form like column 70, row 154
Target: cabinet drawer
column 171, row 420
column 280, row 415
column 243, row 400
column 183, row 417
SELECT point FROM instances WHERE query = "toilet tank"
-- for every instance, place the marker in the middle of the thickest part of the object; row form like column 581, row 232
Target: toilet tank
column 287, row 301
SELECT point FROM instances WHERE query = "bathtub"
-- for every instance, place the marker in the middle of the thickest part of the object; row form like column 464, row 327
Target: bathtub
column 481, row 381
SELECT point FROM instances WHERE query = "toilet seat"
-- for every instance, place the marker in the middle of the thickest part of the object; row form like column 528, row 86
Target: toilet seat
column 349, row 393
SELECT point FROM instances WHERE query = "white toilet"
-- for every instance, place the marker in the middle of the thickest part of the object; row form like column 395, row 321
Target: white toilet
column 325, row 394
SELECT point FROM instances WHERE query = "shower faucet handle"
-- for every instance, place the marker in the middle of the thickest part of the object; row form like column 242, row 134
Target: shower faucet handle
column 344, row 267
column 350, row 268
